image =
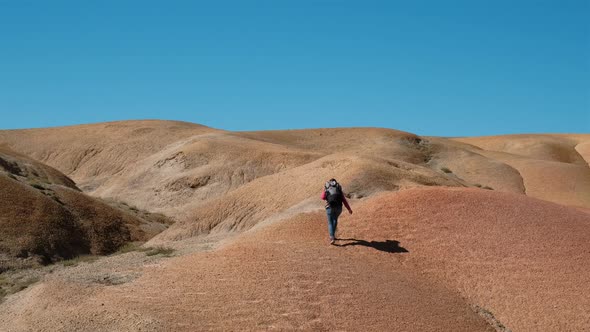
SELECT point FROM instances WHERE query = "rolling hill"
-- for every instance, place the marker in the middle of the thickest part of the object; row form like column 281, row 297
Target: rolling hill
column 466, row 234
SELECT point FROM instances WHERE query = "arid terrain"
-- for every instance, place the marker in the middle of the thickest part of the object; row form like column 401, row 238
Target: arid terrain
column 173, row 226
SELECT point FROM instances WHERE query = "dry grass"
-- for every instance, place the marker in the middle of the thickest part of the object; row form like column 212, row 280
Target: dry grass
column 130, row 247
column 10, row 286
column 491, row 319
column 80, row 259
column 149, row 251
column 159, row 250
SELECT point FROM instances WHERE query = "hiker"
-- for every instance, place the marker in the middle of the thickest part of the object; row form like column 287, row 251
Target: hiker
column 334, row 197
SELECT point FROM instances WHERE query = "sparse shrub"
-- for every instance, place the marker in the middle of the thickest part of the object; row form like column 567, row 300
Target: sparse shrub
column 149, row 251
column 478, row 185
column 489, row 317
column 37, row 186
column 23, row 284
column 80, row 259
column 8, row 286
column 164, row 251
column 488, row 188
column 129, row 247
column 4, row 286
column 446, row 170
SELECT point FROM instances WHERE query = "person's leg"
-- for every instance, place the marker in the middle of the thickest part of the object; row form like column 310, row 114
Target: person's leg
column 331, row 227
column 335, row 214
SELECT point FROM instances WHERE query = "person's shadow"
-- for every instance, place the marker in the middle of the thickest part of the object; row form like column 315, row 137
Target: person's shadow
column 390, row 246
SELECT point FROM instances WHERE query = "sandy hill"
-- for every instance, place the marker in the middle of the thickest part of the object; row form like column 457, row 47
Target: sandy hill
column 553, row 167
column 90, row 154
column 175, row 167
column 459, row 234
column 432, row 259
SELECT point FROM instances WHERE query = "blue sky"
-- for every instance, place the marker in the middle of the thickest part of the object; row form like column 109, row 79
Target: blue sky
column 449, row 68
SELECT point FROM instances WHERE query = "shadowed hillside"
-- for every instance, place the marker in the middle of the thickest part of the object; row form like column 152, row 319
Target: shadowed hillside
column 44, row 217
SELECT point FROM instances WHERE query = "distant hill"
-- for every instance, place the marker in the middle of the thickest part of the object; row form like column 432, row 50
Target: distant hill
column 183, row 170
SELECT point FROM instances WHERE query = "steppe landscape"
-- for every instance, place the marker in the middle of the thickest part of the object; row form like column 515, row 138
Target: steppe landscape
column 172, row 226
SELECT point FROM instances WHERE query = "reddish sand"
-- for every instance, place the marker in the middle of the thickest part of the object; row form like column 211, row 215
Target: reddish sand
column 524, row 260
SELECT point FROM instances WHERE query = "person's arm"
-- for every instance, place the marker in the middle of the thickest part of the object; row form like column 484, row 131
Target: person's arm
column 346, row 203
column 324, row 195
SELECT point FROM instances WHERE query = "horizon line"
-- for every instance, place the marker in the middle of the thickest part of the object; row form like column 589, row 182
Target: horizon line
column 284, row 129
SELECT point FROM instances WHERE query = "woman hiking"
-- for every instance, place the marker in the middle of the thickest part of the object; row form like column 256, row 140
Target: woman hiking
column 334, row 197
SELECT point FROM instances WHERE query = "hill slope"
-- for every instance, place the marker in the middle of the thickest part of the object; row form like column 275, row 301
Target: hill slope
column 44, row 217
column 174, row 167
column 553, row 167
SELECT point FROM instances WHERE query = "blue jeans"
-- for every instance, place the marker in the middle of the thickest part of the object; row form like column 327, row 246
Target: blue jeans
column 333, row 213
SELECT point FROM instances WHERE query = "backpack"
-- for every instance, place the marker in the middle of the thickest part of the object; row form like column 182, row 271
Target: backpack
column 334, row 193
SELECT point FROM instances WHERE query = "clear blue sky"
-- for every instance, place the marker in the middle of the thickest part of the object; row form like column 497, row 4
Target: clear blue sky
column 448, row 68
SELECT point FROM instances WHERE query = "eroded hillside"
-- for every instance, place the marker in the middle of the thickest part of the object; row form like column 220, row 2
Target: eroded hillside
column 44, row 217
